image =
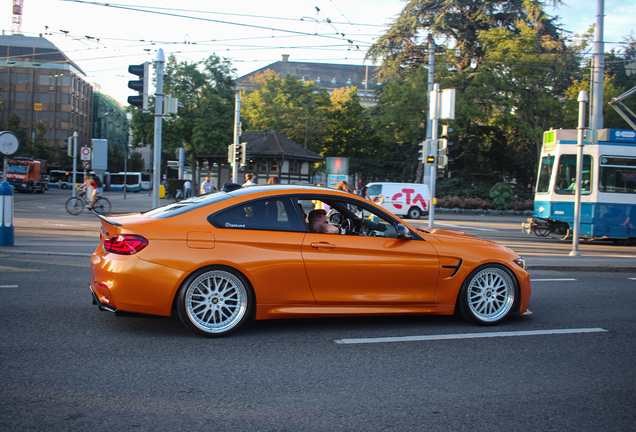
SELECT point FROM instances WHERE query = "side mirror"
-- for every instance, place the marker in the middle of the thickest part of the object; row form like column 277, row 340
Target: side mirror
column 403, row 232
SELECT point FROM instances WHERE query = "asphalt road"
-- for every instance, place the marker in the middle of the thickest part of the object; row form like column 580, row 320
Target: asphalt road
column 67, row 366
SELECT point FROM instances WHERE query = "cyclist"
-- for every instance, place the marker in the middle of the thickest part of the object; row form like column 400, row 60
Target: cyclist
column 95, row 183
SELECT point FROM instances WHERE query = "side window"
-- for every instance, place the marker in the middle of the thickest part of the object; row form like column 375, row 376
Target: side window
column 271, row 214
column 618, row 175
column 566, row 175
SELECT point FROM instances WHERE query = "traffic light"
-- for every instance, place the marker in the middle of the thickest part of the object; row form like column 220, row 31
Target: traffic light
column 430, row 159
column 240, row 156
column 231, row 153
column 243, row 152
column 142, row 85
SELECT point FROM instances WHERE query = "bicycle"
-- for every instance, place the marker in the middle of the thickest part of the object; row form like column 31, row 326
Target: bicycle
column 75, row 205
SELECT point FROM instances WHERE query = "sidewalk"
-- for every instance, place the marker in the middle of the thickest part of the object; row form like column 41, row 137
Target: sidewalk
column 43, row 227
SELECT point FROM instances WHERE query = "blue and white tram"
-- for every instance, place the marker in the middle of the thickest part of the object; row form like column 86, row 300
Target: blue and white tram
column 608, row 189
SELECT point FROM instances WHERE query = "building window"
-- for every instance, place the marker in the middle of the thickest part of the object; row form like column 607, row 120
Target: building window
column 43, row 97
column 294, row 167
column 21, row 78
column 274, row 167
column 262, row 165
column 20, row 96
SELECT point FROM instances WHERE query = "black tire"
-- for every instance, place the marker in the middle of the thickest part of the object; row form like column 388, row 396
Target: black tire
column 488, row 295
column 414, row 213
column 74, row 205
column 103, row 206
column 215, row 301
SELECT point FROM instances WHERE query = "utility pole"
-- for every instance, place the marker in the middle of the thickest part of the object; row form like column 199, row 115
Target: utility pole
column 434, row 115
column 426, row 176
column 156, row 175
column 237, row 125
column 75, row 163
column 596, row 110
column 579, row 174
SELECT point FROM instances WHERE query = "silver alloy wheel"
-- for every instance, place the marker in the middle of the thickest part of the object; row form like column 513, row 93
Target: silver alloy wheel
column 216, row 302
column 491, row 294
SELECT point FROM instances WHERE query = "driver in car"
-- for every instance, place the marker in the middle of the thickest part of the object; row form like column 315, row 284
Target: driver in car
column 318, row 222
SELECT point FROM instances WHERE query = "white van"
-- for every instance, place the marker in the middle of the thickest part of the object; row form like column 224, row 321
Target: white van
column 409, row 200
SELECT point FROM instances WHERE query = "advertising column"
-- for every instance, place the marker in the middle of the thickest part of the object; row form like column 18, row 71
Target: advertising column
column 337, row 170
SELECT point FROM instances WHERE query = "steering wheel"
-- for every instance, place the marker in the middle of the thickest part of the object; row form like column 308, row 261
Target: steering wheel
column 346, row 226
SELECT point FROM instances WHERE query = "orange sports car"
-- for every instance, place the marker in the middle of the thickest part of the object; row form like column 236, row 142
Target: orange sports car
column 262, row 252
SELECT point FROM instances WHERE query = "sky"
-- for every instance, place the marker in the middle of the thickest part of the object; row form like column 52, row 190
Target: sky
column 104, row 40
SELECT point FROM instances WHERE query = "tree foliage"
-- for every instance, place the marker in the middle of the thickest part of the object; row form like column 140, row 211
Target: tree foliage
column 291, row 107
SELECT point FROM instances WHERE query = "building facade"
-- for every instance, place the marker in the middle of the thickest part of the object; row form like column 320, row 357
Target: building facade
column 109, row 120
column 270, row 154
column 324, row 75
column 39, row 83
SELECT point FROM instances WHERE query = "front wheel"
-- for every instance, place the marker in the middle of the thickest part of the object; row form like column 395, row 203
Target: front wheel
column 487, row 295
column 414, row 213
column 214, row 302
column 74, row 206
column 103, row 206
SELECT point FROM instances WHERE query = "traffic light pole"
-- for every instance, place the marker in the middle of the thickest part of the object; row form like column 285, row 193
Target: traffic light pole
column 434, row 110
column 237, row 125
column 156, row 174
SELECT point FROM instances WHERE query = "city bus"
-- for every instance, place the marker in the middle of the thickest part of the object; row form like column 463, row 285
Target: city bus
column 64, row 179
column 608, row 186
column 135, row 181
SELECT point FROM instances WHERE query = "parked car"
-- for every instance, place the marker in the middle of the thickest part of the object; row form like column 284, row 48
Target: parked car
column 220, row 259
column 410, row 200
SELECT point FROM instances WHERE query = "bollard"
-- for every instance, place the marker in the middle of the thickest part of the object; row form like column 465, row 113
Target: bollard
column 6, row 214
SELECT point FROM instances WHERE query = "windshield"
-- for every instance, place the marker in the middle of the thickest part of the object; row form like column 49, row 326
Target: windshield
column 545, row 174
column 16, row 168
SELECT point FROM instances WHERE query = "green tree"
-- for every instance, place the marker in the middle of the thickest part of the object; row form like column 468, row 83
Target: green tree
column 205, row 123
column 456, row 23
column 523, row 81
column 293, row 108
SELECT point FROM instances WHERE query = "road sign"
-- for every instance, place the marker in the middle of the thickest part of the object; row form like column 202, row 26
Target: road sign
column 8, row 143
column 85, row 154
column 86, row 165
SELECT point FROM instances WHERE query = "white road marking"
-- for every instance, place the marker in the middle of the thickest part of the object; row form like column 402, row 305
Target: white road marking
column 468, row 336
column 8, row 286
column 466, row 227
column 552, row 280
column 631, row 278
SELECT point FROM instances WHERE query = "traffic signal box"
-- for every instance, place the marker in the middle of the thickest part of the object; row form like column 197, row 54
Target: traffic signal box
column 142, row 85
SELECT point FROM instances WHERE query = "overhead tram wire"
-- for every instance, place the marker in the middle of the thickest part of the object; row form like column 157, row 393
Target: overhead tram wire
column 237, row 15
column 340, row 36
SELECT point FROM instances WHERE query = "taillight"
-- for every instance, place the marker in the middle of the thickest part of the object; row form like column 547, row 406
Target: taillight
column 125, row 244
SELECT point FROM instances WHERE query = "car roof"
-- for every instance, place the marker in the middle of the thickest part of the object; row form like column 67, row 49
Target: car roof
column 280, row 188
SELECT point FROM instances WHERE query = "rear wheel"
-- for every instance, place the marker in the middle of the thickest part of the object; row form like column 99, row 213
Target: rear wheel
column 74, row 206
column 488, row 295
column 414, row 213
column 214, row 301
column 102, row 206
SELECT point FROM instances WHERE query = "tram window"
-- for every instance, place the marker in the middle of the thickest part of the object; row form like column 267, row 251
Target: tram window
column 566, row 175
column 617, row 175
column 545, row 173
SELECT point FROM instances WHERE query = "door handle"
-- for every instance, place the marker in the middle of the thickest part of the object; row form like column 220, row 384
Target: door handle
column 323, row 245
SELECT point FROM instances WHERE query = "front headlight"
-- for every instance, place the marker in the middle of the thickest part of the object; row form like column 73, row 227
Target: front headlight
column 521, row 263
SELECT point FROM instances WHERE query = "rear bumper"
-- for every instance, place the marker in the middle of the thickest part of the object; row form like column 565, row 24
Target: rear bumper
column 100, row 305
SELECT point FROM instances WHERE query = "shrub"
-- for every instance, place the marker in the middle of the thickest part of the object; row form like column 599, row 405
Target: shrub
column 502, row 196
column 172, row 186
column 464, row 203
column 522, row 204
